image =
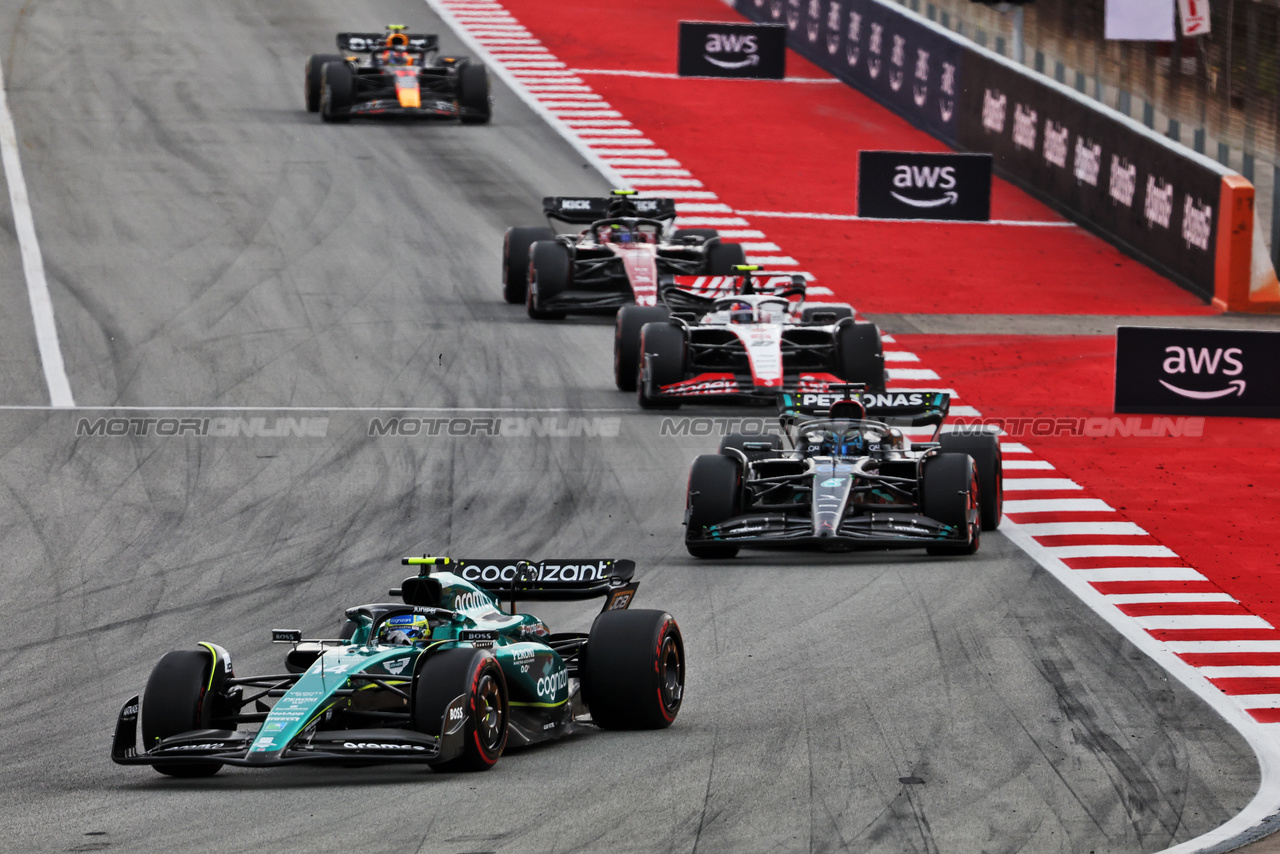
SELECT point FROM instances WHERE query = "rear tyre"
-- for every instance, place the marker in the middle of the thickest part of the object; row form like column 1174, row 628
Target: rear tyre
column 738, row 440
column 444, row 676
column 176, row 700
column 337, row 91
column 715, row 494
column 626, row 341
column 311, row 85
column 662, row 346
column 950, row 491
column 723, row 257
column 985, row 449
column 860, row 355
column 515, row 259
column 633, row 675
column 550, row 268
column 473, row 94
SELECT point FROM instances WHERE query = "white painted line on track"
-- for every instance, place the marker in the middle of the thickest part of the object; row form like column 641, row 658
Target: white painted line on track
column 1140, row 573
column 1167, row 598
column 1229, row 646
column 1027, row 484
column 1108, row 550
column 1038, row 465
column 1241, row 672
column 1061, row 529
column 1257, row 701
column 1168, row 622
column 854, row 218
column 55, row 372
column 1055, row 505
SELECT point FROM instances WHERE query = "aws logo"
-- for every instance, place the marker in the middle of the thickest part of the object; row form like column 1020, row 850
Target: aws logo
column 1202, row 360
column 720, row 43
column 933, row 178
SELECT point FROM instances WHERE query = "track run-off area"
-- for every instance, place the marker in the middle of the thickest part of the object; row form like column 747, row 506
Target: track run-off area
column 214, row 252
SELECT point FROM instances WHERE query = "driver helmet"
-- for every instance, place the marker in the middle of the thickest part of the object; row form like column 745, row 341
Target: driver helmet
column 396, row 56
column 620, row 233
column 404, row 630
column 741, row 312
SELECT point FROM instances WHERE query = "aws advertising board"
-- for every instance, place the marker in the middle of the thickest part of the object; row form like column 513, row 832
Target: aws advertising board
column 713, row 49
column 1197, row 371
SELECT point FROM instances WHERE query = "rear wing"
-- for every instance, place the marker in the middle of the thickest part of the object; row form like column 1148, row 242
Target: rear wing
column 715, row 287
column 548, row 580
column 895, row 408
column 584, row 210
column 370, row 42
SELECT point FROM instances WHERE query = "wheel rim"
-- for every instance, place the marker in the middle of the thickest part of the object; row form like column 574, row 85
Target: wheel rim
column 975, row 509
column 670, row 675
column 490, row 714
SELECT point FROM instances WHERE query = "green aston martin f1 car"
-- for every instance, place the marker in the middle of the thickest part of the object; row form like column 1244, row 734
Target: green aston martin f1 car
column 445, row 677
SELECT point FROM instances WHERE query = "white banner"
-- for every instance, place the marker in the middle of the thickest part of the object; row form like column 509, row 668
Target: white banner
column 1195, row 17
column 1141, row 20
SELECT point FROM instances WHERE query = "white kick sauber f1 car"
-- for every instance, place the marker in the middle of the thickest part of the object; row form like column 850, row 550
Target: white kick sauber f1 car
column 739, row 339
column 627, row 247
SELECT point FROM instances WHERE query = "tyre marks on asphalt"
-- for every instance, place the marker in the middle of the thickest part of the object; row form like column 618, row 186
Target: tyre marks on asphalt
column 1138, row 584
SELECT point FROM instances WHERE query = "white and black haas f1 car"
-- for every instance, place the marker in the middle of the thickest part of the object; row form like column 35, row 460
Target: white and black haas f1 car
column 851, row 479
column 741, row 339
column 444, row 677
column 400, row 77
column 627, row 246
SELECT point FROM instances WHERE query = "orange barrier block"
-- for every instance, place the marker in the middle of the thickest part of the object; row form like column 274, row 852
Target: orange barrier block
column 1242, row 281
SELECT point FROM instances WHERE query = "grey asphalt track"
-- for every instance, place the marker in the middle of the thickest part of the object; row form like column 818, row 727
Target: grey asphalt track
column 209, row 244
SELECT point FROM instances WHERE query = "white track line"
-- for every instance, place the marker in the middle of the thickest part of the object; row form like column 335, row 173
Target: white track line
column 55, row 372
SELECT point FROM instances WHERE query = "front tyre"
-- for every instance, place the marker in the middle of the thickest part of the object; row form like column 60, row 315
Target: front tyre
column 633, row 675
column 337, row 91
column 550, row 271
column 662, row 355
column 477, row 675
column 176, row 700
column 311, row 82
column 626, row 341
column 515, row 259
column 985, row 449
column 473, row 94
column 714, row 495
column 950, row 493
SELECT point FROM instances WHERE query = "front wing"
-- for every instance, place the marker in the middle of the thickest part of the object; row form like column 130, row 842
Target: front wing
column 334, row 747
column 888, row 530
column 391, row 108
column 740, row 388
